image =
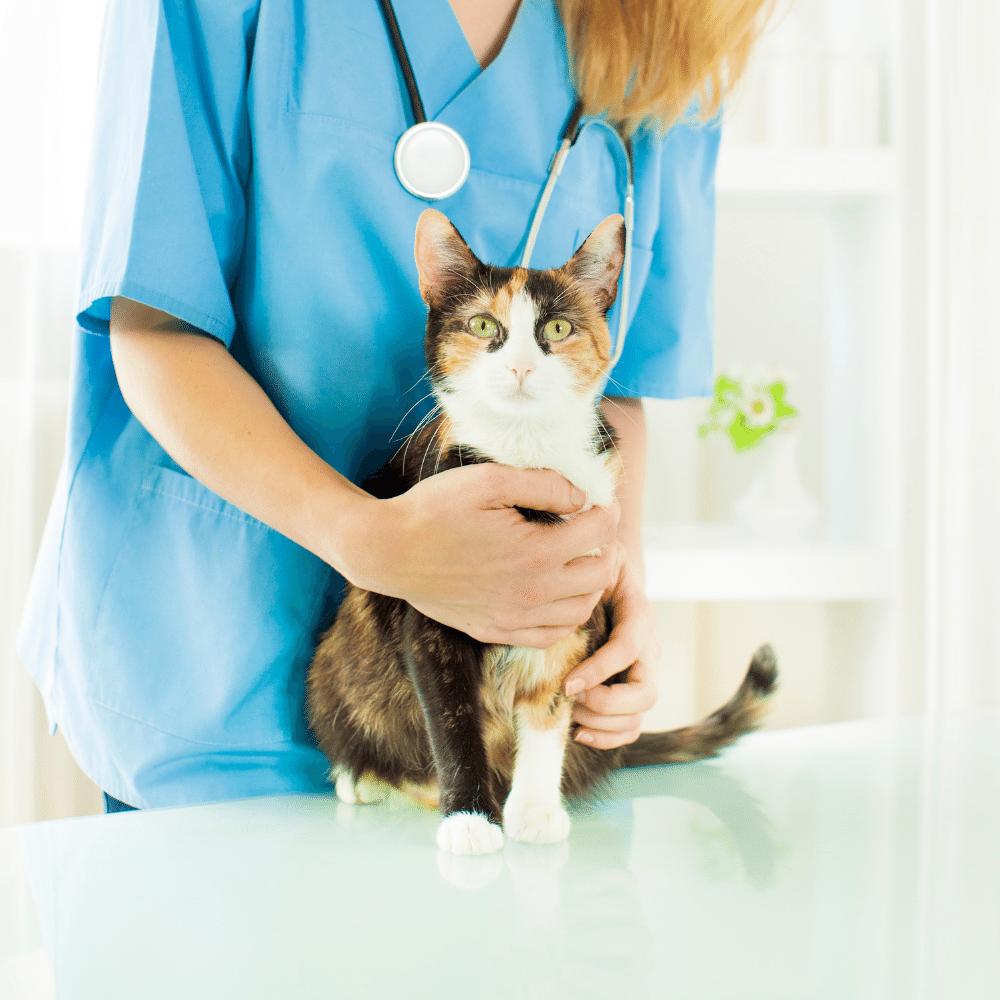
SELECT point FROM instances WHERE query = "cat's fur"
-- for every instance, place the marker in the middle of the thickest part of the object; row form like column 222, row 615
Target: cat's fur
column 397, row 699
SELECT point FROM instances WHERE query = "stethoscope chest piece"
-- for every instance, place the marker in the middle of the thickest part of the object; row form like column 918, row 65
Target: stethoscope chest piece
column 431, row 161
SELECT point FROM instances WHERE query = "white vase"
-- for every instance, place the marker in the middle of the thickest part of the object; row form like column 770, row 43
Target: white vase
column 777, row 504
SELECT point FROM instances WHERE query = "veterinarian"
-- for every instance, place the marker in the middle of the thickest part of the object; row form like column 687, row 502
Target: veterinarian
column 249, row 347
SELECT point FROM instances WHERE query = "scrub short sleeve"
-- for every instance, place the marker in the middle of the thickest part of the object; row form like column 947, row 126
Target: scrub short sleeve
column 669, row 346
column 165, row 216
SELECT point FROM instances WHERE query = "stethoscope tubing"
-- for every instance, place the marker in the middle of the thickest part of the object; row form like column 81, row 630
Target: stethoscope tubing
column 403, row 61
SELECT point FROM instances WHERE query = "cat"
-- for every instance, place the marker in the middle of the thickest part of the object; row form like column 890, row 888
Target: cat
column 517, row 360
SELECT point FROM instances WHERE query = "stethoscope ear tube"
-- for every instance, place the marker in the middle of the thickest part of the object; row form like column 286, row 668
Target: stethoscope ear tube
column 555, row 169
column 570, row 135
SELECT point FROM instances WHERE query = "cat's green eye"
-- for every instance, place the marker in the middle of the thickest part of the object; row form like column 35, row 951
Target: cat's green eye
column 558, row 329
column 483, row 326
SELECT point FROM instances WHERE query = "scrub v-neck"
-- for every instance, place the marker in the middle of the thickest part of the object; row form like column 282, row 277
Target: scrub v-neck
column 511, row 113
column 496, row 42
column 443, row 61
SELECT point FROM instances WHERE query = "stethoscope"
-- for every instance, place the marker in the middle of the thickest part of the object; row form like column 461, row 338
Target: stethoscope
column 432, row 162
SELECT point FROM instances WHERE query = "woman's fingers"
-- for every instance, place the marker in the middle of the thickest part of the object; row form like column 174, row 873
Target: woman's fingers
column 569, row 612
column 636, row 696
column 603, row 740
column 607, row 723
column 611, row 715
column 534, row 489
column 476, row 565
column 481, row 624
column 635, row 623
column 583, row 533
column 534, row 638
column 589, row 573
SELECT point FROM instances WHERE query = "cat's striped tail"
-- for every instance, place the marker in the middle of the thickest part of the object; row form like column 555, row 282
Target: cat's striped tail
column 742, row 714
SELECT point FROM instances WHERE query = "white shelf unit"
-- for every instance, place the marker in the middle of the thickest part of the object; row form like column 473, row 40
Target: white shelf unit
column 847, row 587
column 855, row 190
column 722, row 562
column 815, row 171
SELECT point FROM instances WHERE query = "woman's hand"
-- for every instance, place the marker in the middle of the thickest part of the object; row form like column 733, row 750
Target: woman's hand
column 611, row 716
column 455, row 548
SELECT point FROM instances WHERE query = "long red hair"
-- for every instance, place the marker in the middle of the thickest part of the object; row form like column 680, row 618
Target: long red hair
column 643, row 63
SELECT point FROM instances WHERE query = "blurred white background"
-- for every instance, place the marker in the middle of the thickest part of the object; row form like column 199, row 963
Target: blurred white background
column 48, row 72
column 858, row 251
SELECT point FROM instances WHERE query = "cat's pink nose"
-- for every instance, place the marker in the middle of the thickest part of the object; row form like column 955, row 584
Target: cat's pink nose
column 521, row 372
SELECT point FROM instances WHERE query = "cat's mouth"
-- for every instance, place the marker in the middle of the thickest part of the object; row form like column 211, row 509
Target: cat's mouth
column 515, row 395
column 519, row 392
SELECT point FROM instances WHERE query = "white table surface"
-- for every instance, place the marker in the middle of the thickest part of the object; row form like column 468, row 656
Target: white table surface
column 851, row 861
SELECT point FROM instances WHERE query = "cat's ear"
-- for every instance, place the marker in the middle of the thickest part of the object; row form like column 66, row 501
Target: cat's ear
column 599, row 260
column 441, row 253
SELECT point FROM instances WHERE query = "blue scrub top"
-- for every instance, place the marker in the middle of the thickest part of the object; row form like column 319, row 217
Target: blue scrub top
column 242, row 180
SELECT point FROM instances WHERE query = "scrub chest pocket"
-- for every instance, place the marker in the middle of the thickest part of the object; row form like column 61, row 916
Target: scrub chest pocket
column 331, row 71
column 179, row 647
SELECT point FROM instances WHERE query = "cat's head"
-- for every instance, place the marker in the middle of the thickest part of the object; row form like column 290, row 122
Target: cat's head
column 517, row 341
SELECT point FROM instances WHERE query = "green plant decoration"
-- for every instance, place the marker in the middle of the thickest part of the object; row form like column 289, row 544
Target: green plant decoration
column 747, row 413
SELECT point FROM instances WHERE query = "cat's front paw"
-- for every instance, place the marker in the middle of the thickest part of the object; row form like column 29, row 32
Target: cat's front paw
column 469, row 833
column 535, row 821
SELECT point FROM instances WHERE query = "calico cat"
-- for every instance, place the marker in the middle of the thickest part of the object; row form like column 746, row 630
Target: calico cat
column 516, row 359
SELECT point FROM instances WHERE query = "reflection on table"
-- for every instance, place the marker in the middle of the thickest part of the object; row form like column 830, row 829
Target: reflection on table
column 856, row 860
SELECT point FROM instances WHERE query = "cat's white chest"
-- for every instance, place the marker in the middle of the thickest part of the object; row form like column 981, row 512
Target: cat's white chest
column 564, row 444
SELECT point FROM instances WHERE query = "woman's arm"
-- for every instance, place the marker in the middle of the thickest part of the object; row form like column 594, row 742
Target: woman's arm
column 453, row 546
column 611, row 716
column 219, row 425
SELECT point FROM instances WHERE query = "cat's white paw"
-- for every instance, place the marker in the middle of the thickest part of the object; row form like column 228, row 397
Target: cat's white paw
column 345, row 788
column 535, row 821
column 469, row 833
column 365, row 791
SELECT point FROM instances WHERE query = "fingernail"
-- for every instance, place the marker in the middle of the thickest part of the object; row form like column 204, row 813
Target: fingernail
column 578, row 496
column 574, row 686
column 584, row 738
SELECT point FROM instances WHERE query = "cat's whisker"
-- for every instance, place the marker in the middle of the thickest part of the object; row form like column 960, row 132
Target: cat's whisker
column 415, row 384
column 430, row 371
column 615, row 383
column 437, row 431
column 424, row 421
column 609, row 438
column 408, row 412
column 440, row 451
column 435, row 372
column 428, row 417
column 412, row 436
column 622, row 411
column 611, row 381
column 557, row 301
